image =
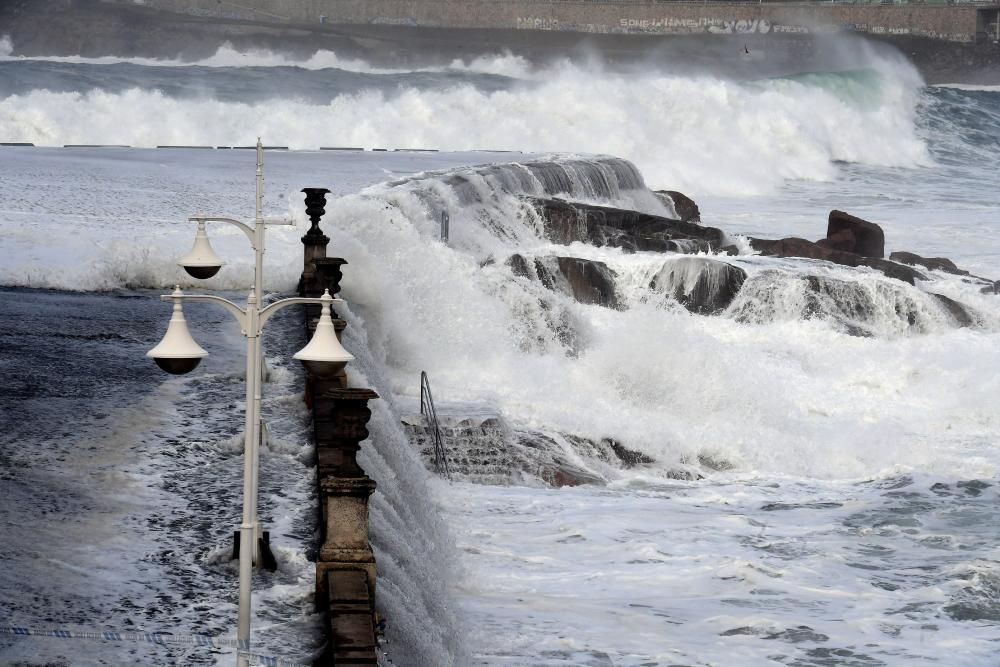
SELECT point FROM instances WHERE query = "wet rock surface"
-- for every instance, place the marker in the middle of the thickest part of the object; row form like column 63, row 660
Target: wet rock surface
column 707, row 286
column 685, row 207
column 569, row 222
column 929, row 263
column 797, row 247
column 960, row 313
column 702, row 285
column 587, row 281
column 853, row 234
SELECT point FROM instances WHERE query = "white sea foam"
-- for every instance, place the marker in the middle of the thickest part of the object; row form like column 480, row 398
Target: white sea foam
column 504, row 64
column 702, row 134
column 970, row 87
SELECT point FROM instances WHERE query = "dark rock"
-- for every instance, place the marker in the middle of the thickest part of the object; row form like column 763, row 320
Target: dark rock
column 869, row 240
column 993, row 288
column 629, row 458
column 843, row 240
column 702, row 285
column 730, row 250
column 585, row 280
column 683, row 475
column 546, row 457
column 713, row 463
column 687, row 246
column 519, row 266
column 931, row 263
column 559, row 477
column 763, row 246
column 796, row 247
column 686, row 208
column 893, row 270
column 568, row 222
column 959, row 312
column 590, row 281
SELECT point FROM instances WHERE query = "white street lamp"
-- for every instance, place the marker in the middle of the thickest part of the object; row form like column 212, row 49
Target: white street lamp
column 201, row 262
column 178, row 353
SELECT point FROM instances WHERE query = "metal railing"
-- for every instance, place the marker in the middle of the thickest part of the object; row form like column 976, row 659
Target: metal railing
column 445, row 226
column 427, row 409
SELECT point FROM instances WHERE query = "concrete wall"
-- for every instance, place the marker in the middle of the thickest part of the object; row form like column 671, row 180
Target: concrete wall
column 956, row 23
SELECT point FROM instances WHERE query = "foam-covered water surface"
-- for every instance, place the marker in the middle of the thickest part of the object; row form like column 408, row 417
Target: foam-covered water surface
column 896, row 571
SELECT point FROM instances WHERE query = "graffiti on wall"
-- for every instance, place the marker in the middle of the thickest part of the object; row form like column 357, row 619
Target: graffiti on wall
column 717, row 26
column 704, row 24
column 535, row 23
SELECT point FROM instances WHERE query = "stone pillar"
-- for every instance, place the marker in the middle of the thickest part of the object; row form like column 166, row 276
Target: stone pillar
column 315, row 241
column 340, row 421
column 345, row 567
column 326, row 275
column 329, row 273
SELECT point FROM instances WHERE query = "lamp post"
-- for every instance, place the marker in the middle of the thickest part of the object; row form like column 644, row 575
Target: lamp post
column 178, row 353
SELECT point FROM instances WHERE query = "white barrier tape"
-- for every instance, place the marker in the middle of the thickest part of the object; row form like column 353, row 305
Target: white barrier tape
column 163, row 638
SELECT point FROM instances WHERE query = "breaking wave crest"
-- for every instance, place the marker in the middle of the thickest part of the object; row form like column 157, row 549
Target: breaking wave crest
column 702, row 134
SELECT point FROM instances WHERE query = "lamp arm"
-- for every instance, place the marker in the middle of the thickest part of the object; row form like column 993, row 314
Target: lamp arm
column 237, row 312
column 247, row 229
column 271, row 309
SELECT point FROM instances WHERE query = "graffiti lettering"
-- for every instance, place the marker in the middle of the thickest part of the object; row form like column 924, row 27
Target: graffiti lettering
column 533, row 23
column 704, row 24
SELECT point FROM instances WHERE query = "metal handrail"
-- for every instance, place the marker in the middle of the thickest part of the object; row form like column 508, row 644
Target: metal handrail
column 427, row 409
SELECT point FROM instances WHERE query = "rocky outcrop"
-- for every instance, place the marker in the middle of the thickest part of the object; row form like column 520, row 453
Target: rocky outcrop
column 852, row 234
column 796, row 247
column 929, row 263
column 630, row 458
column 569, row 222
column 585, row 280
column 685, row 207
column 961, row 314
column 702, row 285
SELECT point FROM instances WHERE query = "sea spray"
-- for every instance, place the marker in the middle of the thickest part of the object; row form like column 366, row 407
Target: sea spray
column 415, row 554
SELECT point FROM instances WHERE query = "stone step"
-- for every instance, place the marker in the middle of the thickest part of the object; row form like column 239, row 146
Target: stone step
column 477, row 449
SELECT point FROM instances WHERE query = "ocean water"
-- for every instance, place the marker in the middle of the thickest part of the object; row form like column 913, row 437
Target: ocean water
column 840, row 459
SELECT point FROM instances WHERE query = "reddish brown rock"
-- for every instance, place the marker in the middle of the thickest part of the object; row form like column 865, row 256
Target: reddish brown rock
column 869, row 240
column 796, row 247
column 568, row 222
column 844, row 240
column 931, row 263
column 685, row 207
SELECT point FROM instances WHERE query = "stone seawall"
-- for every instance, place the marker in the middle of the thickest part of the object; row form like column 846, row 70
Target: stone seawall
column 956, row 23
